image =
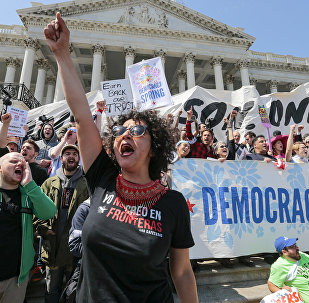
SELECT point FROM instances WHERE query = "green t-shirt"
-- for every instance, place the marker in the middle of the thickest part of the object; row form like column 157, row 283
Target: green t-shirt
column 279, row 271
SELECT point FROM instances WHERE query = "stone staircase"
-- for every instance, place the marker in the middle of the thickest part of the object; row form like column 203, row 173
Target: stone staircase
column 215, row 283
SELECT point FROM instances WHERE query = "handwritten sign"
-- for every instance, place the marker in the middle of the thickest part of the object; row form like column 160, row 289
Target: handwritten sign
column 118, row 97
column 19, row 120
column 149, row 86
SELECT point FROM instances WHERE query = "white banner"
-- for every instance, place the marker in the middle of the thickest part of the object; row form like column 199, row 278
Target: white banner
column 240, row 207
column 118, row 97
column 283, row 109
column 148, row 84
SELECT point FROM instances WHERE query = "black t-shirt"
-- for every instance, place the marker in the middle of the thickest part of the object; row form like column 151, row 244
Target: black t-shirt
column 4, row 151
column 124, row 260
column 39, row 174
column 10, row 236
column 259, row 157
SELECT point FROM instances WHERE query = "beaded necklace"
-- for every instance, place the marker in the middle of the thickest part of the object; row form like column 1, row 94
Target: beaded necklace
column 133, row 195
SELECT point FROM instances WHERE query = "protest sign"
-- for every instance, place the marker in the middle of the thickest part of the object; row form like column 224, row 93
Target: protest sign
column 265, row 122
column 148, row 84
column 284, row 296
column 118, row 97
column 239, row 208
column 19, row 120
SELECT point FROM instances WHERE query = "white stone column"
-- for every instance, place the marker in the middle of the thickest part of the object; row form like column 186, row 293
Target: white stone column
column 50, row 90
column 216, row 63
column 103, row 73
column 12, row 65
column 161, row 53
column 40, row 82
column 244, row 71
column 26, row 72
column 229, row 81
column 98, row 52
column 189, row 59
column 59, row 93
column 273, row 86
column 181, row 76
column 129, row 57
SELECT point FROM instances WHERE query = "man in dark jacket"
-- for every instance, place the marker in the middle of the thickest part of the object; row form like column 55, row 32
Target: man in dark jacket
column 68, row 190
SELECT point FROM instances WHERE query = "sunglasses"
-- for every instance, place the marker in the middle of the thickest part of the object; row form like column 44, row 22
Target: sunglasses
column 135, row 131
column 72, row 129
column 222, row 146
column 292, row 246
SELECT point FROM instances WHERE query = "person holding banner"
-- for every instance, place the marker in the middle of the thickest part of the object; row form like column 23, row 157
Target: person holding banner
column 291, row 269
column 134, row 222
column 200, row 149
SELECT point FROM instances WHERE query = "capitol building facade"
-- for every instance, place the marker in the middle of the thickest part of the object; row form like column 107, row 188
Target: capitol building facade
column 108, row 35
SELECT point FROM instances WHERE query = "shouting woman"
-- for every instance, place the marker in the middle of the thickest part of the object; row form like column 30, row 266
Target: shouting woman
column 134, row 222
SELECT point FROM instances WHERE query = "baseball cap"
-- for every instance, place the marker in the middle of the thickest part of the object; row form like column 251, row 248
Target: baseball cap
column 282, row 242
column 69, row 146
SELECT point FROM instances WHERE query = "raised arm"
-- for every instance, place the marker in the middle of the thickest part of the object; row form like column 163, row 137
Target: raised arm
column 57, row 36
column 6, row 120
column 188, row 124
column 289, row 145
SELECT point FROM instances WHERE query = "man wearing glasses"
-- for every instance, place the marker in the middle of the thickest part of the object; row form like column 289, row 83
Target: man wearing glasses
column 291, row 269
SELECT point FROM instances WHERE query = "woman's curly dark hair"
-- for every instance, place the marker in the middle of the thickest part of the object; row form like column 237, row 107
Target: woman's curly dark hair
column 162, row 141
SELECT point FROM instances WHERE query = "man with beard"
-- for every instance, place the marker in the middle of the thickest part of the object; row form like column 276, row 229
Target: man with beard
column 68, row 190
column 291, row 269
column 29, row 151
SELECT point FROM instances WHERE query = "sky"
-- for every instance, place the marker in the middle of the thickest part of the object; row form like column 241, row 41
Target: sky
column 279, row 26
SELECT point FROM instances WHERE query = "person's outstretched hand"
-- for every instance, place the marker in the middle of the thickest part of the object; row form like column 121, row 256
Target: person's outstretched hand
column 57, row 36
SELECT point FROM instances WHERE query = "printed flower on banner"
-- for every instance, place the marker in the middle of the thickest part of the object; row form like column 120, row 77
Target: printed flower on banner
column 245, row 172
column 260, row 232
column 272, row 229
column 242, row 228
column 296, row 177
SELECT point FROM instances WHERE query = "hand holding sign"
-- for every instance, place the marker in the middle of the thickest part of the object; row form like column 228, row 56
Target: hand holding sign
column 265, row 121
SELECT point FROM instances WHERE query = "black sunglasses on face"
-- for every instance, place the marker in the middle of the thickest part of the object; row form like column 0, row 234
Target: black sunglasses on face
column 222, row 146
column 135, row 131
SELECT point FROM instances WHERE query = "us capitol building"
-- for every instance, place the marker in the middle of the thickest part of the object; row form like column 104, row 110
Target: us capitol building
column 108, row 35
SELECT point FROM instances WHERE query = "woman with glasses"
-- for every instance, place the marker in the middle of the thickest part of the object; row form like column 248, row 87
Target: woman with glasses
column 134, row 222
column 225, row 151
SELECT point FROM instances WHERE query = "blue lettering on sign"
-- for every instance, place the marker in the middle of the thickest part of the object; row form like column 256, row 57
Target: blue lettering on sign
column 251, row 204
column 153, row 95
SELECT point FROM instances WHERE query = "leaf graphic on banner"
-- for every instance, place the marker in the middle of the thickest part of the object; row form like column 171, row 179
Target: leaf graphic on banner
column 228, row 239
column 192, row 165
column 213, row 232
column 181, row 174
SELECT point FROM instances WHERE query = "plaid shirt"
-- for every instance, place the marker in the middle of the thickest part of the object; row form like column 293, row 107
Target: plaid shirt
column 197, row 149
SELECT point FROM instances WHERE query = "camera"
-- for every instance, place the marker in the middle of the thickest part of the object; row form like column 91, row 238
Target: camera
column 209, row 123
column 43, row 119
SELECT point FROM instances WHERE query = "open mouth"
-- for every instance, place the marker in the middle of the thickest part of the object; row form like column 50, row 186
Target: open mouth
column 18, row 172
column 126, row 150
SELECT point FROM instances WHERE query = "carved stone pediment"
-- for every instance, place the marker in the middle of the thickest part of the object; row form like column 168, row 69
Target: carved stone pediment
column 160, row 14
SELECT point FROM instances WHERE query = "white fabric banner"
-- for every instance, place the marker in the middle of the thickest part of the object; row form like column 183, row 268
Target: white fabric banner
column 283, row 296
column 240, row 207
column 148, row 84
column 283, row 109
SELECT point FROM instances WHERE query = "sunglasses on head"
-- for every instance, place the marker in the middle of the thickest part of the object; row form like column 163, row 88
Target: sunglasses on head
column 135, row 131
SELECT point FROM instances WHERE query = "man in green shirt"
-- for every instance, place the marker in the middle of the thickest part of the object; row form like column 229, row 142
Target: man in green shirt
column 291, row 269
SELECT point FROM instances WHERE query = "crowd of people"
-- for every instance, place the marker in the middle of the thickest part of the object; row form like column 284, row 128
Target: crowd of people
column 106, row 220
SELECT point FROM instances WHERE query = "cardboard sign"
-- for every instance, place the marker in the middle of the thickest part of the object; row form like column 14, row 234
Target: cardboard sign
column 118, row 97
column 19, row 120
column 149, row 86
